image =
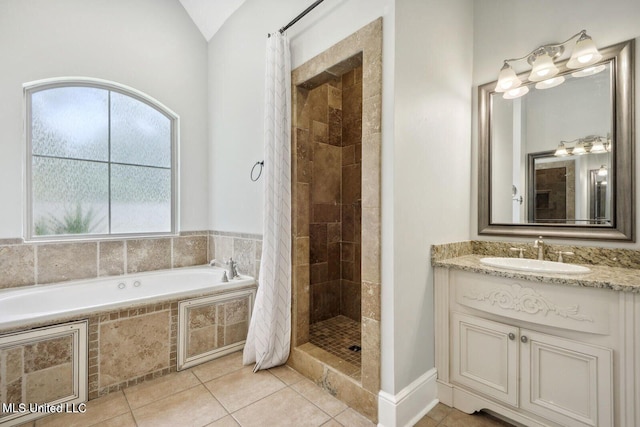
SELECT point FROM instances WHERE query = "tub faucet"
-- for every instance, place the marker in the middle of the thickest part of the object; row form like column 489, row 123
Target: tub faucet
column 539, row 245
column 232, row 267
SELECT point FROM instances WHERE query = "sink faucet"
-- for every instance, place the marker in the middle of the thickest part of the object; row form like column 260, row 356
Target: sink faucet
column 539, row 245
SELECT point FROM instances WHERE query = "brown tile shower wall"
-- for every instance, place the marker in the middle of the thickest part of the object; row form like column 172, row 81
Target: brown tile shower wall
column 322, row 129
column 351, row 248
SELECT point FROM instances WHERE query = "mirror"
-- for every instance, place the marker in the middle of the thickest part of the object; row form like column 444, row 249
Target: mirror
column 558, row 162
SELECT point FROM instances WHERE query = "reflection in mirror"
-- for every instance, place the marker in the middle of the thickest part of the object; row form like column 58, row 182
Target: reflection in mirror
column 548, row 142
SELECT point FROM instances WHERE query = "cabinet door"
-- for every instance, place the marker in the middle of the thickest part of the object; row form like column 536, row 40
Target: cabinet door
column 566, row 381
column 485, row 357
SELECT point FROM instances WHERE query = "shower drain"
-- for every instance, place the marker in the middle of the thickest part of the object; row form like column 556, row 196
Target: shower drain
column 355, row 348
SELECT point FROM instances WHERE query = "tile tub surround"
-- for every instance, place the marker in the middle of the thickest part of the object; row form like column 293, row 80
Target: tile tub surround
column 603, row 275
column 25, row 264
column 329, row 64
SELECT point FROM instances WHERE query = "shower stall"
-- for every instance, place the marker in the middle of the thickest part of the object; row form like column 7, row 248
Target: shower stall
column 328, row 138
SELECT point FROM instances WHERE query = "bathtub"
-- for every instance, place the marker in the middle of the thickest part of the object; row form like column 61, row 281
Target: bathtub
column 75, row 341
column 38, row 304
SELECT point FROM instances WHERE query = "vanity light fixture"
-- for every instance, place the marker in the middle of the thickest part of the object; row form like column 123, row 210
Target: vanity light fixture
column 603, row 171
column 544, row 70
column 591, row 144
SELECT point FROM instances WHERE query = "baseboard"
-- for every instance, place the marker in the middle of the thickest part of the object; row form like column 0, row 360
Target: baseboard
column 411, row 404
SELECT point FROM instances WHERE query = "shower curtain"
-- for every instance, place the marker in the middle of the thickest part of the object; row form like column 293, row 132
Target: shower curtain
column 269, row 336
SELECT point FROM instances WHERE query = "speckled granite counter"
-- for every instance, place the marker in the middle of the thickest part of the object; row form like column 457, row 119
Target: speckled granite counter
column 616, row 278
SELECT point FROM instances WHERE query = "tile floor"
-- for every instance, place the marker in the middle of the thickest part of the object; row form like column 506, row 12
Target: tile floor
column 336, row 335
column 223, row 393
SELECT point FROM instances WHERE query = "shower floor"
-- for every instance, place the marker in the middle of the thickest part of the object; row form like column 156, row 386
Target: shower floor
column 336, row 335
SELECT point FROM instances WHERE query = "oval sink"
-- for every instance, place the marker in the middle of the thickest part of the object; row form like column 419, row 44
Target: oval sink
column 535, row 265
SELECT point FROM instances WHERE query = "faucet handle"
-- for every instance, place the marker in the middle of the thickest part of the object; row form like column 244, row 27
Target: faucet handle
column 560, row 253
column 516, row 250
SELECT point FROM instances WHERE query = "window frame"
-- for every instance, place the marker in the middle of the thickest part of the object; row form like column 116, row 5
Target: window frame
column 174, row 119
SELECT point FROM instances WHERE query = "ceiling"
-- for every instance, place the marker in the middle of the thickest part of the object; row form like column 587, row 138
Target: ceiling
column 209, row 15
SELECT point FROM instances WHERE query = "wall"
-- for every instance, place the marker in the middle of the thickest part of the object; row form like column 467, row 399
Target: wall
column 235, row 104
column 507, row 29
column 151, row 45
column 431, row 164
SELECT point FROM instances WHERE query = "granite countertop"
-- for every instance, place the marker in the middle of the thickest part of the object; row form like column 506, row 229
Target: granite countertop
column 606, row 277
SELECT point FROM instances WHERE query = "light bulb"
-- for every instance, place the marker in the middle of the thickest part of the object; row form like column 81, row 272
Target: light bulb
column 543, row 68
column 602, row 171
column 507, row 79
column 584, row 53
column 579, row 149
column 549, row 83
column 561, row 151
column 516, row 93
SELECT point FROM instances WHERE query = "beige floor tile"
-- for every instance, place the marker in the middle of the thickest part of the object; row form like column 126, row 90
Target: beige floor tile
column 149, row 391
column 332, row 423
column 439, row 412
column 241, row 388
column 98, row 410
column 460, row 419
column 283, row 408
column 426, row 422
column 192, row 407
column 227, row 421
column 286, row 374
column 124, row 420
column 218, row 367
column 319, row 397
column 351, row 418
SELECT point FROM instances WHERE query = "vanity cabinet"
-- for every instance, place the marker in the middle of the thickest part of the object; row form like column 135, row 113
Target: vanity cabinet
column 541, row 354
column 560, row 380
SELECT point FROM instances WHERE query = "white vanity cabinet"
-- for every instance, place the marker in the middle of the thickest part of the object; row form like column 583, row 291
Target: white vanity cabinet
column 540, row 354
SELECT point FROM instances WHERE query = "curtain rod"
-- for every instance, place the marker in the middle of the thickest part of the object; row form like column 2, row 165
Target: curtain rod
column 299, row 17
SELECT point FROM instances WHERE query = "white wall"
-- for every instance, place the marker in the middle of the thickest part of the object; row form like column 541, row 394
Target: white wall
column 431, row 164
column 236, row 91
column 506, row 29
column 151, row 45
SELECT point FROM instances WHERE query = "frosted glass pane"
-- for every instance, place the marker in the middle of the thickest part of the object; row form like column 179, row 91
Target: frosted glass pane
column 140, row 199
column 70, row 197
column 71, row 122
column 140, row 134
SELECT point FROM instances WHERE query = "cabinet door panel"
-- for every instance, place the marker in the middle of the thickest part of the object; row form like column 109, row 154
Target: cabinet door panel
column 566, row 381
column 485, row 357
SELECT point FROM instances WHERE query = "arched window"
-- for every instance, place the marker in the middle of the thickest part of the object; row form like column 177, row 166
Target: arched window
column 101, row 161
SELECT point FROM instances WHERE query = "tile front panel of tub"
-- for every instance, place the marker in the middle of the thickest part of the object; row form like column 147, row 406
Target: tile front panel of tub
column 41, row 366
column 212, row 326
column 127, row 347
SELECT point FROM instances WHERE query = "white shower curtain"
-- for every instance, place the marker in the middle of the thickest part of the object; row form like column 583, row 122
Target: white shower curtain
column 269, row 337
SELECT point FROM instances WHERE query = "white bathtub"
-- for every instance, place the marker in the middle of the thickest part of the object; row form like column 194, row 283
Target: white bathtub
column 36, row 304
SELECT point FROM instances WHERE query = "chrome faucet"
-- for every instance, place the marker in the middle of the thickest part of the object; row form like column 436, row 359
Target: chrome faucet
column 539, row 245
column 232, row 267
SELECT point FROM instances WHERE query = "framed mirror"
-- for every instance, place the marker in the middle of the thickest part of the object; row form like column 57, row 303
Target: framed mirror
column 558, row 162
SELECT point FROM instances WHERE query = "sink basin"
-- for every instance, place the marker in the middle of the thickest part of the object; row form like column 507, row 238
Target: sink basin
column 535, row 265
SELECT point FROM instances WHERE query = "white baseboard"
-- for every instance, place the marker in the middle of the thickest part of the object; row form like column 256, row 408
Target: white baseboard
column 411, row 404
